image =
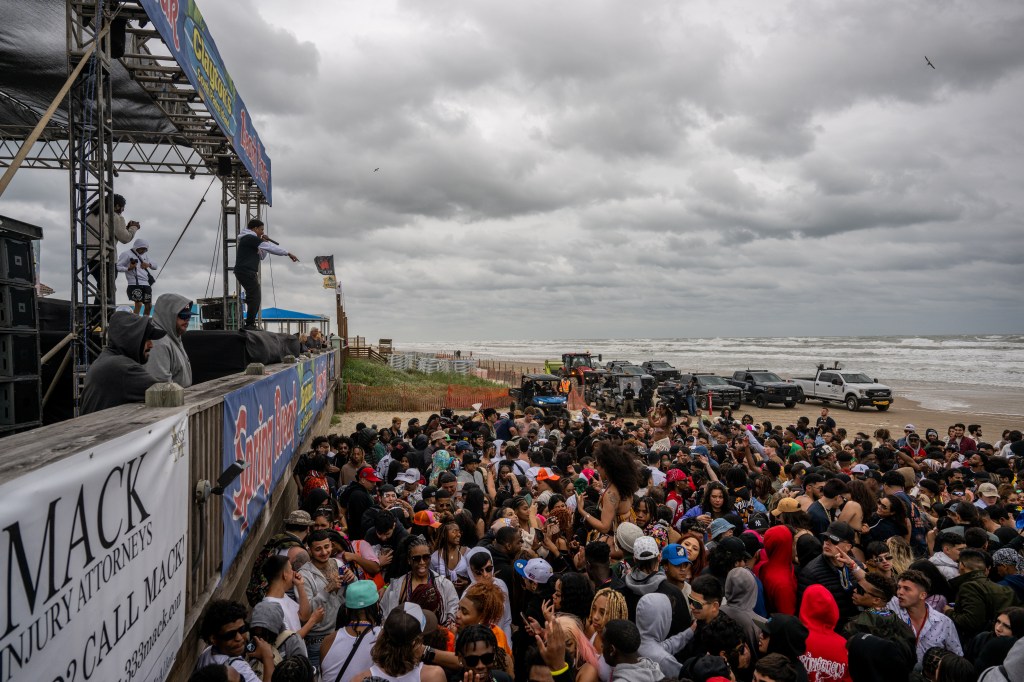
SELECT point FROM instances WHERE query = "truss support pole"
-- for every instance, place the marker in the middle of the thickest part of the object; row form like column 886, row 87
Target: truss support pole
column 90, row 156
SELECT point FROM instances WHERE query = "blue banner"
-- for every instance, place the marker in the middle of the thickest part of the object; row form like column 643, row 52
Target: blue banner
column 261, row 427
column 314, row 382
column 181, row 25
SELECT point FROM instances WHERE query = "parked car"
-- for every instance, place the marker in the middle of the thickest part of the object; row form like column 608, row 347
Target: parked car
column 764, row 388
column 661, row 370
column 836, row 385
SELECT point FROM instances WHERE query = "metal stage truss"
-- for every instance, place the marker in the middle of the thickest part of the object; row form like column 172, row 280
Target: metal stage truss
column 133, row 73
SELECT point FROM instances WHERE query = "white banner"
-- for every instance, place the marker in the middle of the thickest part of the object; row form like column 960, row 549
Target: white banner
column 93, row 557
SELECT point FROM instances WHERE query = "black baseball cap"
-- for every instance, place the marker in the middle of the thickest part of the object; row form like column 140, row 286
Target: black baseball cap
column 838, row 531
column 734, row 545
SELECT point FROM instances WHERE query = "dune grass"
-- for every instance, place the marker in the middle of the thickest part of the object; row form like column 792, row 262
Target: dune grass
column 367, row 373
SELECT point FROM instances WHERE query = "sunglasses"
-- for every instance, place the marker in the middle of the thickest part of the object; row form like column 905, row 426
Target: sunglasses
column 231, row 634
column 698, row 605
column 416, row 558
column 882, row 558
column 485, row 569
column 473, row 661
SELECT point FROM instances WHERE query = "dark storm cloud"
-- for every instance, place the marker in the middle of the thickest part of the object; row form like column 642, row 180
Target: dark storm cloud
column 613, row 169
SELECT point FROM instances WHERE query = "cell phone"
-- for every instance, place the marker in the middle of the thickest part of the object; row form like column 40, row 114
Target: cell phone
column 250, row 647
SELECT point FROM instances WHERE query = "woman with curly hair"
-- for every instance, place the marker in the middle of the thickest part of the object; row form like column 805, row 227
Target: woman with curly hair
column 621, row 477
column 417, row 583
column 395, row 654
column 483, row 604
column 608, row 604
column 694, row 544
column 714, row 504
column 573, row 595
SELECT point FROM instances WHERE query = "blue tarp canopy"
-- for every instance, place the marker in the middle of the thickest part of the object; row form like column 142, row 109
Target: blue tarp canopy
column 284, row 315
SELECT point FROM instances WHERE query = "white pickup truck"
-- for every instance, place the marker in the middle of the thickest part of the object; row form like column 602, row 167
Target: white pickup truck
column 835, row 385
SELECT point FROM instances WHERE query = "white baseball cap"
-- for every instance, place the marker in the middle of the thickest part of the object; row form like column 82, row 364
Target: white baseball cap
column 537, row 570
column 645, row 548
column 409, row 476
column 859, row 469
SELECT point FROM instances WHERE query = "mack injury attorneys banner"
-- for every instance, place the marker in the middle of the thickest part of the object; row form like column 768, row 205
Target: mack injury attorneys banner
column 264, row 424
column 93, row 553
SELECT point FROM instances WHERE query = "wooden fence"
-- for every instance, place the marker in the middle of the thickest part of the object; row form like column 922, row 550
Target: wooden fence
column 360, row 398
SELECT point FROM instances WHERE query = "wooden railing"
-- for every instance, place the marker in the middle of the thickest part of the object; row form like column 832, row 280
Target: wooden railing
column 366, row 353
column 205, row 406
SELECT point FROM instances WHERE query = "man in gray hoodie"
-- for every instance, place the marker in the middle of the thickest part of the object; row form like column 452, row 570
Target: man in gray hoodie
column 648, row 578
column 168, row 360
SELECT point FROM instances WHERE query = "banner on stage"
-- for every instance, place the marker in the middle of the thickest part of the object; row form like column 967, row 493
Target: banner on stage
column 95, row 549
column 184, row 31
column 314, row 390
column 324, row 265
column 261, row 427
column 330, row 282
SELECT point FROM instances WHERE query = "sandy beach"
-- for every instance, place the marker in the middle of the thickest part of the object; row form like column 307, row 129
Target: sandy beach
column 924, row 405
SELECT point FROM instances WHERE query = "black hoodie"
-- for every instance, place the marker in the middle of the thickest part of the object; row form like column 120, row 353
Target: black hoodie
column 117, row 375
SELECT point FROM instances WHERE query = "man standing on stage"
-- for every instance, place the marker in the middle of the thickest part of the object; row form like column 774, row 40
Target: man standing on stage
column 252, row 247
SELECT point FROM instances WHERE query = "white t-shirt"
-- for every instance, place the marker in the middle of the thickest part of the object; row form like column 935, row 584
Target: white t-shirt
column 291, row 611
column 657, row 476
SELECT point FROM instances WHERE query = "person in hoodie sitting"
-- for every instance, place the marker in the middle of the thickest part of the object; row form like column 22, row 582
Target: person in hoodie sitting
column 826, row 659
column 117, row 376
column 168, row 360
column 647, row 577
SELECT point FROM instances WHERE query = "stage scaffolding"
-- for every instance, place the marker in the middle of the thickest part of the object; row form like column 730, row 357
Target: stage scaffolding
column 133, row 108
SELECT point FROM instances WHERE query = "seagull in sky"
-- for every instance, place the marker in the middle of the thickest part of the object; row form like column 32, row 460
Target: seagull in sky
column 377, row 169
column 928, row 61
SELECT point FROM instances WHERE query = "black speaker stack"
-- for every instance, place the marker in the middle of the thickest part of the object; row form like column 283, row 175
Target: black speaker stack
column 20, row 385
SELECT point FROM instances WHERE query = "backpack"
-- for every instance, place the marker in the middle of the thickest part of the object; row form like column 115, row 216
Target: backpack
column 256, row 588
column 257, row 665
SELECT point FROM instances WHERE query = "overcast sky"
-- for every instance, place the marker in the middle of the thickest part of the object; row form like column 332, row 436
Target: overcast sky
column 618, row 169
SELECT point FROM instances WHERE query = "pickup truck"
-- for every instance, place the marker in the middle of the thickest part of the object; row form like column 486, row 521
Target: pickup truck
column 836, row 385
column 723, row 394
column 763, row 388
column 661, row 370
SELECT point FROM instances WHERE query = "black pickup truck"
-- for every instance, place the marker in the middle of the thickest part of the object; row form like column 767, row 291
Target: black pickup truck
column 764, row 388
column 661, row 370
column 723, row 394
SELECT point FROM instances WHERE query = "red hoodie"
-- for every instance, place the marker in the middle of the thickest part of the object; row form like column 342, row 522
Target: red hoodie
column 826, row 657
column 776, row 573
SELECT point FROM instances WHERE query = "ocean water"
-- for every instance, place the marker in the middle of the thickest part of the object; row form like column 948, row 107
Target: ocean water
column 942, row 372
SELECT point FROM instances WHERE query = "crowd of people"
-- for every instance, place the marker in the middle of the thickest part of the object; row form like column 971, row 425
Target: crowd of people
column 544, row 548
